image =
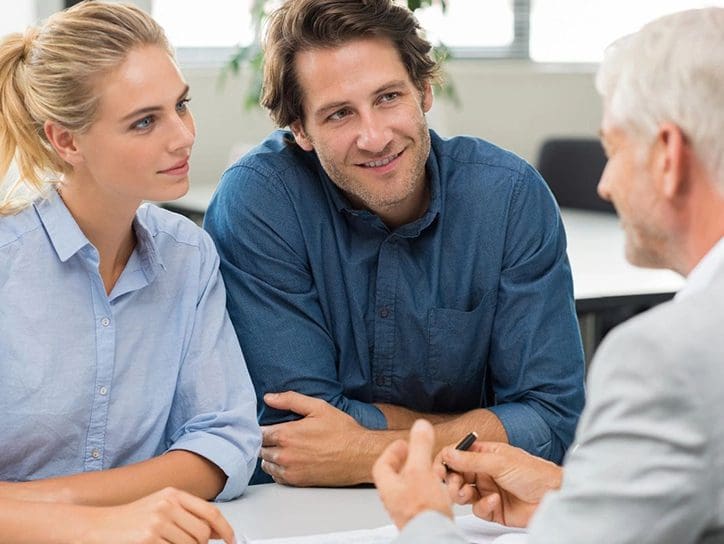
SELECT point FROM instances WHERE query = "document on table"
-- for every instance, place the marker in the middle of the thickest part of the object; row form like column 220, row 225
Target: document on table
column 475, row 530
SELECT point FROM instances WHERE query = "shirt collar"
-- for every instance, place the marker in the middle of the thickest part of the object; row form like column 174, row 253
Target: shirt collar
column 67, row 238
column 409, row 230
column 148, row 251
column 704, row 272
column 64, row 233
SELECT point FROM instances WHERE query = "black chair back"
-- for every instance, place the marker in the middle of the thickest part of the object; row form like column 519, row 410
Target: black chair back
column 572, row 168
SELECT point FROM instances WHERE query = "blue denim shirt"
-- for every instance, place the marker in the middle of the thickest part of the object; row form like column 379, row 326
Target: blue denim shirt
column 469, row 306
column 90, row 381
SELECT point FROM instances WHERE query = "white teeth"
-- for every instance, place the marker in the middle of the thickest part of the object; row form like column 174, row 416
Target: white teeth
column 381, row 162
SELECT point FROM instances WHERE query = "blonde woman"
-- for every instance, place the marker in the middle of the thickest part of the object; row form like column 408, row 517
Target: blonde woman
column 124, row 397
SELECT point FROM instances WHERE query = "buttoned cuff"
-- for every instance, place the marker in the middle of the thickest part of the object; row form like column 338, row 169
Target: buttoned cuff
column 224, row 455
column 526, row 429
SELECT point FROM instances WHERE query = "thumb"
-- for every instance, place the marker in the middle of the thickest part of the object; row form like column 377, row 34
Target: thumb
column 293, row 401
column 490, row 464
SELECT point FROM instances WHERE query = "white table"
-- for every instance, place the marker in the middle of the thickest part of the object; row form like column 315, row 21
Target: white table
column 272, row 510
column 603, row 281
column 598, row 263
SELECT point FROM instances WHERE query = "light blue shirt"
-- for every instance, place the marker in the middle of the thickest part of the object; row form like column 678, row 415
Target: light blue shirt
column 90, row 381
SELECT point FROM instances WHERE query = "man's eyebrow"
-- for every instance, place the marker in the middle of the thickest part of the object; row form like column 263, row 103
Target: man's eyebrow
column 151, row 109
column 322, row 110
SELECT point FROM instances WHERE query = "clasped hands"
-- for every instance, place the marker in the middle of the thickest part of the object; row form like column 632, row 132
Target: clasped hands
column 323, row 448
column 503, row 483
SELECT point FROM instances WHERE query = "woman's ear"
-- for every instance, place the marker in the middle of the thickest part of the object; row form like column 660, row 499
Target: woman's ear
column 63, row 141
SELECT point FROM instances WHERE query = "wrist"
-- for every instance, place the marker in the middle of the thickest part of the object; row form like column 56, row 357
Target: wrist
column 368, row 445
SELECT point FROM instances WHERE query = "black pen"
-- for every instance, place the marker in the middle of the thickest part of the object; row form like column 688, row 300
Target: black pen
column 464, row 445
column 466, row 442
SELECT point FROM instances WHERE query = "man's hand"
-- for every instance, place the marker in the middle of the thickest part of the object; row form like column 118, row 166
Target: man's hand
column 321, row 449
column 406, row 480
column 503, row 483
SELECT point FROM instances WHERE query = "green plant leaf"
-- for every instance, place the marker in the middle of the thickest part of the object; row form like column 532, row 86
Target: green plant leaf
column 252, row 57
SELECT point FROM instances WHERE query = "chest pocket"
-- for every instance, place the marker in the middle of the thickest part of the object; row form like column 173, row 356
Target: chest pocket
column 458, row 343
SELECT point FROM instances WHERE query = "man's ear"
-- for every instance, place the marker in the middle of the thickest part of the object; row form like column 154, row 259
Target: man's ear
column 300, row 136
column 671, row 160
column 427, row 97
column 63, row 141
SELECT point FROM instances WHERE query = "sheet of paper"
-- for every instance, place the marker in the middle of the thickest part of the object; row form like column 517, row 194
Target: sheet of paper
column 476, row 531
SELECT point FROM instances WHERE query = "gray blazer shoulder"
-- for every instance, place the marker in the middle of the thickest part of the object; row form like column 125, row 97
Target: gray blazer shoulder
column 647, row 465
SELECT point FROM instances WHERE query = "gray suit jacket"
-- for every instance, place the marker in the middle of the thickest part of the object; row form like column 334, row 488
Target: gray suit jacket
column 648, row 461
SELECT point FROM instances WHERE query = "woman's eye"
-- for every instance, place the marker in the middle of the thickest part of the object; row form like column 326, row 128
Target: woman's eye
column 183, row 105
column 146, row 122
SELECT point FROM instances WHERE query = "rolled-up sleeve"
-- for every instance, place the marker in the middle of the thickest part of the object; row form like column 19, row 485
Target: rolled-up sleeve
column 214, row 408
column 536, row 356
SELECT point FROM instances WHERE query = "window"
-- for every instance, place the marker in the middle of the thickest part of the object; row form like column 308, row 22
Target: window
column 576, row 31
column 212, row 23
column 472, row 27
column 542, row 30
column 17, row 18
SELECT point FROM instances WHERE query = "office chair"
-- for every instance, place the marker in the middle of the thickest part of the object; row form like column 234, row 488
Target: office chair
column 572, row 168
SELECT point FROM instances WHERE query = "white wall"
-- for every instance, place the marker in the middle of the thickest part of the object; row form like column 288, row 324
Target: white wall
column 515, row 104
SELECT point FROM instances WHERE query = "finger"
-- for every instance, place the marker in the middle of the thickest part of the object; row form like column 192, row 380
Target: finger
column 467, row 494
column 489, row 508
column 270, row 454
column 500, row 448
column 294, row 402
column 207, row 512
column 270, row 433
column 492, row 464
column 454, row 483
column 187, row 528
column 422, row 441
column 440, row 470
column 390, row 461
column 273, row 470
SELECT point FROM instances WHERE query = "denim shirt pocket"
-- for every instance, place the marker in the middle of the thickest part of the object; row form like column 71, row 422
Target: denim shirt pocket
column 458, row 343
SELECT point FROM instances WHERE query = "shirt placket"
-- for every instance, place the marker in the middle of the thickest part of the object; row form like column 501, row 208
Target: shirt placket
column 95, row 448
column 385, row 319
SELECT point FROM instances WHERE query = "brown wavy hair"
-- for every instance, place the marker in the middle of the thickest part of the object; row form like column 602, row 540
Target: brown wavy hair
column 301, row 25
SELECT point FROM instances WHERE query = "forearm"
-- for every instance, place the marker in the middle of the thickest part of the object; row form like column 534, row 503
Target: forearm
column 367, row 445
column 180, row 469
column 24, row 522
column 401, row 418
column 448, row 427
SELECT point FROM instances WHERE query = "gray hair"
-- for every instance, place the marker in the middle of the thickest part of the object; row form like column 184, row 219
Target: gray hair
column 672, row 70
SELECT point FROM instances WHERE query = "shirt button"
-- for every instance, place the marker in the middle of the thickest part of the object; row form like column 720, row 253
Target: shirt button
column 95, row 454
column 105, row 321
column 103, row 390
column 380, row 380
column 384, row 312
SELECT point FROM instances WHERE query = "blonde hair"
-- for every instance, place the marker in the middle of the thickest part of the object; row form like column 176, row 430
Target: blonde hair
column 49, row 73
